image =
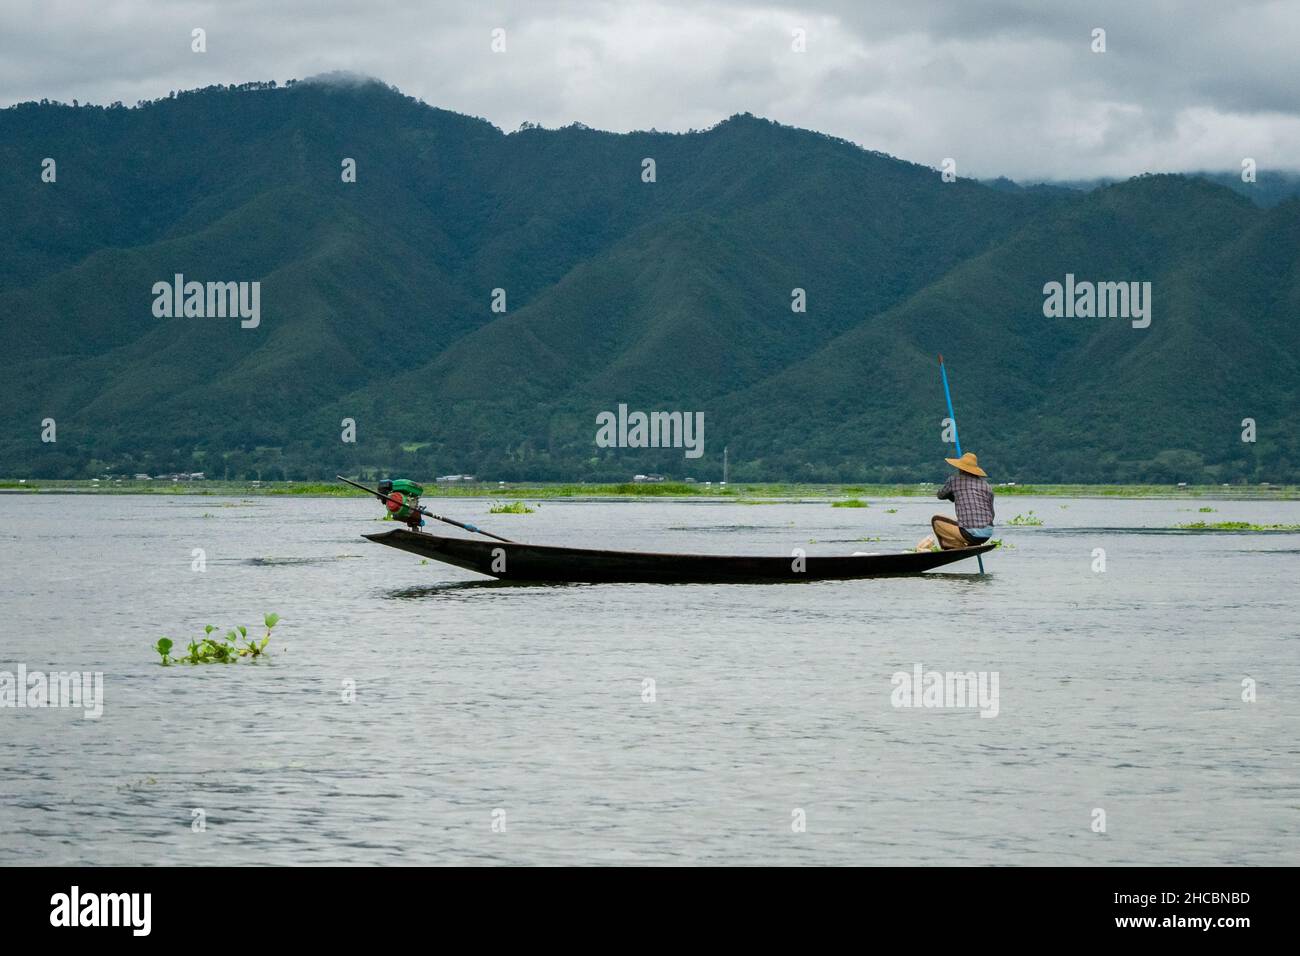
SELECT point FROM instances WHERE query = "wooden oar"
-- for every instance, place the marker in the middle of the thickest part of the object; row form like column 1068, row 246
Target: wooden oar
column 428, row 514
column 956, row 440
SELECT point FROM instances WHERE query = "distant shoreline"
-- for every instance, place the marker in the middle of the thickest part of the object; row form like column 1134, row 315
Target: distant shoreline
column 736, row 493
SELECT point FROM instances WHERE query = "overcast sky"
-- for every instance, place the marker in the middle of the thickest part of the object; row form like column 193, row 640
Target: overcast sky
column 1005, row 87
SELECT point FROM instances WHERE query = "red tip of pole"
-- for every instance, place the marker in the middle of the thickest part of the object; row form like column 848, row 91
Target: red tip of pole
column 940, row 358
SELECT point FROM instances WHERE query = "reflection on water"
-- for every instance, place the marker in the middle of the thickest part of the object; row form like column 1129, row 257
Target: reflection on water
column 453, row 588
column 1119, row 690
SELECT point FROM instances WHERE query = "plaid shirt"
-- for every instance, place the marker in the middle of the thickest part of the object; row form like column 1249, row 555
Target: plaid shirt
column 973, row 498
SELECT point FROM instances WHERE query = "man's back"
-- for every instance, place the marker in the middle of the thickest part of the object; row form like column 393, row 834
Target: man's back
column 972, row 497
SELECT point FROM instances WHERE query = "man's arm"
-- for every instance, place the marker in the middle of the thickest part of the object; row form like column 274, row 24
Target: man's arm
column 946, row 492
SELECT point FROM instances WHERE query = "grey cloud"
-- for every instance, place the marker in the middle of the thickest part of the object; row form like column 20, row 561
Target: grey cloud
column 1005, row 87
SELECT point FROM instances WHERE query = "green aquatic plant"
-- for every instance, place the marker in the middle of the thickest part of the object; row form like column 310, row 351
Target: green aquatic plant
column 1235, row 526
column 517, row 508
column 1023, row 521
column 164, row 648
column 999, row 543
column 850, row 503
column 891, row 511
column 227, row 650
column 255, row 648
column 573, row 489
column 1206, row 510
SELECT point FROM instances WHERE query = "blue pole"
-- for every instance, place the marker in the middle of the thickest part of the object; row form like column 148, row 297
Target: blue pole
column 947, row 393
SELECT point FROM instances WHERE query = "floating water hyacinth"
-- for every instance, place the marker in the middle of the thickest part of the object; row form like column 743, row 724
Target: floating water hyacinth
column 210, row 650
column 1027, row 520
column 1235, row 526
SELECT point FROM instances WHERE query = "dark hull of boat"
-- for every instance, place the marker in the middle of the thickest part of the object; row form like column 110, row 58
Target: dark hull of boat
column 533, row 562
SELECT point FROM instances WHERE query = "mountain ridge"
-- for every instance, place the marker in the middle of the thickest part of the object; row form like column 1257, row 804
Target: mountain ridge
column 671, row 294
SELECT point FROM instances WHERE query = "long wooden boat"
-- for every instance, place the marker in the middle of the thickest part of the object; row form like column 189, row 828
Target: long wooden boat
column 513, row 561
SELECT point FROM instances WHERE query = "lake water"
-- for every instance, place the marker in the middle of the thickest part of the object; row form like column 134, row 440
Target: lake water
column 508, row 724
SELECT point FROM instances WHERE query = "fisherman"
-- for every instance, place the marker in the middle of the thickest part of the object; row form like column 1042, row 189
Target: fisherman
column 973, row 498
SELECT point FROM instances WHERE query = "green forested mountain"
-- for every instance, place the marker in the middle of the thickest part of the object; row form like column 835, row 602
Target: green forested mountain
column 377, row 302
column 1268, row 188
